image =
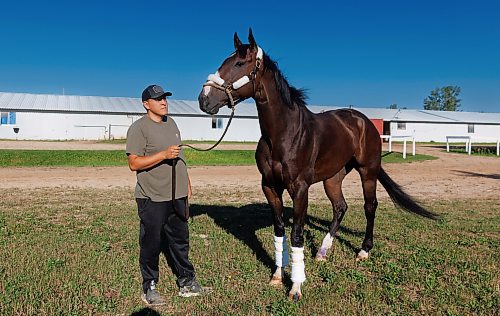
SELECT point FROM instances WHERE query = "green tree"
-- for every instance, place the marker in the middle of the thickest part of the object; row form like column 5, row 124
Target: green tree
column 443, row 99
column 395, row 106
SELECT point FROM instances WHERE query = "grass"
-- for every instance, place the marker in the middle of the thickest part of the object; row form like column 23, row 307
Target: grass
column 73, row 252
column 479, row 150
column 124, row 141
column 397, row 157
column 80, row 158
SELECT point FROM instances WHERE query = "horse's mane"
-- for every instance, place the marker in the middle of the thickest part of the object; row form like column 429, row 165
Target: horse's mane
column 289, row 94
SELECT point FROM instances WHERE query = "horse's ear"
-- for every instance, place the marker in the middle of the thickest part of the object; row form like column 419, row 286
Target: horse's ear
column 237, row 42
column 251, row 40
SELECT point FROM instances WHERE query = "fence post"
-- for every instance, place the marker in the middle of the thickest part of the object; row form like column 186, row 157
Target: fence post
column 413, row 147
column 404, row 148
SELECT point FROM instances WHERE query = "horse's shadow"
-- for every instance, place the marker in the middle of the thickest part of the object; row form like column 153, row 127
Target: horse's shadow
column 242, row 222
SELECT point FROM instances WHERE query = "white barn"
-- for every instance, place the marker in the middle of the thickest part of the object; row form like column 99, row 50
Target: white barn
column 61, row 117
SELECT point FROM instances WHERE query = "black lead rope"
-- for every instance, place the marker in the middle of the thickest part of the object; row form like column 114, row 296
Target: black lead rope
column 218, row 142
column 174, row 161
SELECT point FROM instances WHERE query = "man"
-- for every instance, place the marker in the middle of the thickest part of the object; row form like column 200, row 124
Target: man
column 152, row 145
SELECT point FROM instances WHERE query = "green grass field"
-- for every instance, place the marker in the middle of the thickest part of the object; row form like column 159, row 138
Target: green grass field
column 80, row 158
column 75, row 252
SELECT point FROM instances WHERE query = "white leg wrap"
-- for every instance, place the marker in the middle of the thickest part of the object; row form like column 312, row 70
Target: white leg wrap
column 298, row 266
column 326, row 245
column 280, row 251
column 327, row 241
column 362, row 254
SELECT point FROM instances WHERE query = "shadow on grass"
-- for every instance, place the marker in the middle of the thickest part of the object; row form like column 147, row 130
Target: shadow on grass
column 323, row 225
column 146, row 312
column 242, row 222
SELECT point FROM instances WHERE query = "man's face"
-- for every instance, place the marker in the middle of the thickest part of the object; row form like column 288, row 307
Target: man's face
column 158, row 106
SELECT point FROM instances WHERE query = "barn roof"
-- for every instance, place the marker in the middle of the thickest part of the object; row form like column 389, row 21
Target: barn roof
column 120, row 105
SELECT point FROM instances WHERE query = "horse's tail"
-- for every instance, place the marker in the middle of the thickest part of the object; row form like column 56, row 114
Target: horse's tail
column 401, row 198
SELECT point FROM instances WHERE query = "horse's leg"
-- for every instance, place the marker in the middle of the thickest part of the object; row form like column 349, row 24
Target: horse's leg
column 274, row 197
column 299, row 194
column 333, row 189
column 369, row 182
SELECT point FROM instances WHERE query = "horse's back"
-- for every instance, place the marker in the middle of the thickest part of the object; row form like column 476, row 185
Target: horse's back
column 354, row 121
column 353, row 132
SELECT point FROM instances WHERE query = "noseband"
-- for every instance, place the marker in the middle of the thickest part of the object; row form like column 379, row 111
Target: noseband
column 214, row 80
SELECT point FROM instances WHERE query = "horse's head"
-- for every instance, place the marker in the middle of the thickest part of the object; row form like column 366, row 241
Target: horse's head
column 235, row 80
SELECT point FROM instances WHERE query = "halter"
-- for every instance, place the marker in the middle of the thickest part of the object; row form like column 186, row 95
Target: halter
column 214, row 80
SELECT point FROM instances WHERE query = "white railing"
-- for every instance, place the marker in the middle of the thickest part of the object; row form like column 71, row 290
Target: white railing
column 469, row 140
column 405, row 138
column 458, row 139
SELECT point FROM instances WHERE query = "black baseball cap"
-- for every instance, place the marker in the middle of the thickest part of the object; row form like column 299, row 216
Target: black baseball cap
column 154, row 91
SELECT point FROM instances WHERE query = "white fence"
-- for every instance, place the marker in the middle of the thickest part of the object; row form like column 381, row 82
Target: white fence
column 469, row 140
column 405, row 138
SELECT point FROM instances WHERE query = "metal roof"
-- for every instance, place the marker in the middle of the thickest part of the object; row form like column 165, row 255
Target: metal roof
column 120, row 105
column 405, row 115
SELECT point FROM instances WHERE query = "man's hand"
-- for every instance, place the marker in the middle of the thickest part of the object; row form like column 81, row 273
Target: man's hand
column 172, row 152
column 143, row 162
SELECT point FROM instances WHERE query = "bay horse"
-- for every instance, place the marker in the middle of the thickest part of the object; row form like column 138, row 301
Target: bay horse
column 299, row 148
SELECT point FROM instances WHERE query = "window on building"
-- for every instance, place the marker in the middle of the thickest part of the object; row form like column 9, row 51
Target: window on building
column 401, row 125
column 7, row 118
column 470, row 128
column 4, row 118
column 217, row 122
column 12, row 118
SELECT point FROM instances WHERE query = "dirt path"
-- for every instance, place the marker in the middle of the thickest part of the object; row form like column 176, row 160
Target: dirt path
column 452, row 176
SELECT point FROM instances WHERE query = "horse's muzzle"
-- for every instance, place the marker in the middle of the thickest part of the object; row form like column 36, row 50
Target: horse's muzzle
column 204, row 103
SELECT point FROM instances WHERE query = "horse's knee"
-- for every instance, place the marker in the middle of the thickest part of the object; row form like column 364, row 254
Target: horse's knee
column 371, row 208
column 341, row 207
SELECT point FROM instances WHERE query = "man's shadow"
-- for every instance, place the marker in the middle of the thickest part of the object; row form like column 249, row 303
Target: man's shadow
column 242, row 222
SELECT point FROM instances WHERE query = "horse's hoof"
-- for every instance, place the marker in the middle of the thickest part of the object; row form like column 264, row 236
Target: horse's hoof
column 275, row 281
column 362, row 255
column 319, row 257
column 294, row 296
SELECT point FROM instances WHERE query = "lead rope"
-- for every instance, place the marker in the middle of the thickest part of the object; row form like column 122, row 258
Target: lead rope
column 218, row 142
column 174, row 161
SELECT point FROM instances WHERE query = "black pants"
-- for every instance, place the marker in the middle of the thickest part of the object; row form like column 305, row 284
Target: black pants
column 163, row 231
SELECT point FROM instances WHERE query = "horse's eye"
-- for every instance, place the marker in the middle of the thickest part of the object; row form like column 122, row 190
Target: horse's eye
column 239, row 63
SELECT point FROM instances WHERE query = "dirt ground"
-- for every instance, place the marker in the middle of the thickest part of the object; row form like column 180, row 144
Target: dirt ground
column 452, row 176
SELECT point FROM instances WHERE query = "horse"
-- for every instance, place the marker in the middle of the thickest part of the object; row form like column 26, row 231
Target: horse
column 298, row 148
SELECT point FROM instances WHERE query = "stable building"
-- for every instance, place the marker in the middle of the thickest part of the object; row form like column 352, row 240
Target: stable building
column 27, row 116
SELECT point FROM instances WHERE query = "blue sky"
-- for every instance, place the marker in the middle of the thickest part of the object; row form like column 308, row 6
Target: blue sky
column 361, row 53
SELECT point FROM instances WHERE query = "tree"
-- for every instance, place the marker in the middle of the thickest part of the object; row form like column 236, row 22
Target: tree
column 395, row 106
column 443, row 99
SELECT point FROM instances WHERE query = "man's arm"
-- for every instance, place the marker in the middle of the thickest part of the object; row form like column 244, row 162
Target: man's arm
column 137, row 163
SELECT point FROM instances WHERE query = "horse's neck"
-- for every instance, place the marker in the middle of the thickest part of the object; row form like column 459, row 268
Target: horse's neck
column 277, row 120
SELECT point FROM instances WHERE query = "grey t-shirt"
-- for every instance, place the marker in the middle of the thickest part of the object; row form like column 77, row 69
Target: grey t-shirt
column 146, row 137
